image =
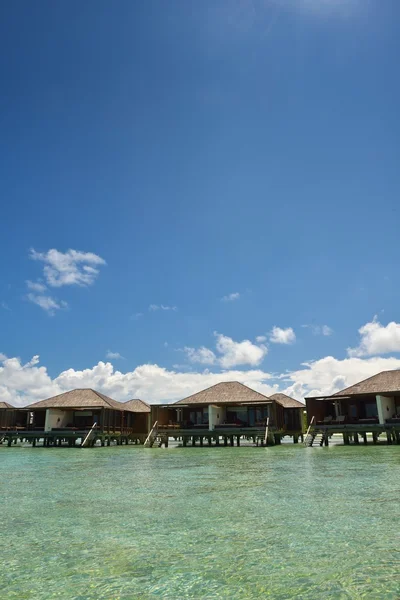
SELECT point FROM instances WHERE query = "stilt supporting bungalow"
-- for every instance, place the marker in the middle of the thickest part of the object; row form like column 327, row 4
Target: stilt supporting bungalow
column 230, row 412
column 80, row 418
column 369, row 409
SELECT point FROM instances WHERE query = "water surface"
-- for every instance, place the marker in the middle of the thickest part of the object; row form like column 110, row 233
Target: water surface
column 235, row 523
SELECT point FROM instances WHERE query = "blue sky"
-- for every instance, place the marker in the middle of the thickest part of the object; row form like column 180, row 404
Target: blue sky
column 198, row 151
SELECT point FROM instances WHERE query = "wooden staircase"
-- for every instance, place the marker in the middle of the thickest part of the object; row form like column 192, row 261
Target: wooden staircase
column 315, row 439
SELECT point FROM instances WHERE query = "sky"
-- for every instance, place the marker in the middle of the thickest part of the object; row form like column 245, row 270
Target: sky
column 194, row 192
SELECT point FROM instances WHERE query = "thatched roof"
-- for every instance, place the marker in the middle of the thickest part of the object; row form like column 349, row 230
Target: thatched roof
column 230, row 392
column 383, row 383
column 287, row 401
column 80, row 398
column 4, row 405
column 137, row 406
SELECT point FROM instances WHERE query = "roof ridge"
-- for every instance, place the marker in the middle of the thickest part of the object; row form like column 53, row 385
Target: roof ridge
column 103, row 396
column 137, row 400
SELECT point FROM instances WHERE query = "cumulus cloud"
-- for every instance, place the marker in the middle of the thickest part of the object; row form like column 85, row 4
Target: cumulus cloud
column 231, row 297
column 113, row 355
column 377, row 339
column 229, row 353
column 155, row 307
column 68, row 268
column 47, row 303
column 238, row 353
column 5, row 306
column 329, row 375
column 282, row 336
column 21, row 384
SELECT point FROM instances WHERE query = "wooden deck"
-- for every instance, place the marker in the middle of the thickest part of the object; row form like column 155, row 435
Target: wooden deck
column 224, row 435
column 353, row 432
column 68, row 437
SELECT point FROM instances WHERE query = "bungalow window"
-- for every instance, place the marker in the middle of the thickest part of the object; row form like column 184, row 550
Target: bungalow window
column 353, row 411
column 371, row 410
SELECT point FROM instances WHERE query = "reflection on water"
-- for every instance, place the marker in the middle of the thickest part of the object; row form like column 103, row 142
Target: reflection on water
column 283, row 522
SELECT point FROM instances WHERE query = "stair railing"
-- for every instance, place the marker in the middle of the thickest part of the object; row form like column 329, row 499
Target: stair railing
column 308, row 431
column 151, row 436
column 89, row 435
column 266, row 432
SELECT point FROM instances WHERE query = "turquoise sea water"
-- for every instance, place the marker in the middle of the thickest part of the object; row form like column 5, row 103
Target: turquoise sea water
column 127, row 522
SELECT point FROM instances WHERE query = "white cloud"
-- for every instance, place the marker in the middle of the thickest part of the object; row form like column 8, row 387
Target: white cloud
column 155, row 307
column 329, row 375
column 377, row 339
column 320, row 329
column 238, row 353
column 282, row 336
column 113, row 355
column 5, row 306
column 47, row 303
column 229, row 353
column 261, row 338
column 231, row 297
column 137, row 315
column 203, row 356
column 69, row 268
column 35, row 286
column 21, row 384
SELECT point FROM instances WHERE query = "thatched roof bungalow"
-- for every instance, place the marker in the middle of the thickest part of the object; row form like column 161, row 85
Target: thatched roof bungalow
column 228, row 405
column 375, row 400
column 79, row 409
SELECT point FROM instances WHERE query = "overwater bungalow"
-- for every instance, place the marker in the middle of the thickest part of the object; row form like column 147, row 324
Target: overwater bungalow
column 83, row 415
column 370, row 406
column 228, row 411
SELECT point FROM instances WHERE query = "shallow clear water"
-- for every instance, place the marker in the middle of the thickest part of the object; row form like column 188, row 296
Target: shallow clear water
column 127, row 522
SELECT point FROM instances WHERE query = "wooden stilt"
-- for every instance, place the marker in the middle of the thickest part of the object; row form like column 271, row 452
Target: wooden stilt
column 374, row 437
column 225, row 440
column 238, row 440
column 231, row 440
column 193, row 440
column 356, row 440
column 295, row 439
column 217, row 440
column 209, row 440
column 201, row 440
column 365, row 437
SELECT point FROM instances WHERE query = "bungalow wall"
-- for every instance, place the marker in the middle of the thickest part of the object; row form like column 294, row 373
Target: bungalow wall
column 162, row 415
column 293, row 419
column 319, row 409
column 8, row 418
column 140, row 422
